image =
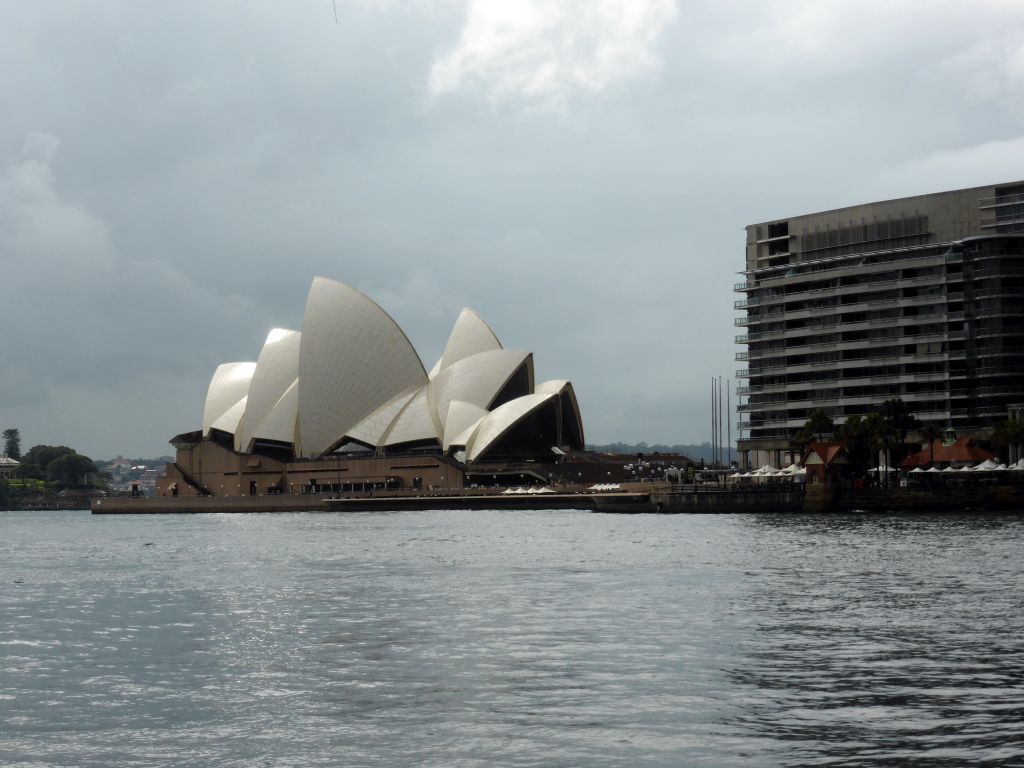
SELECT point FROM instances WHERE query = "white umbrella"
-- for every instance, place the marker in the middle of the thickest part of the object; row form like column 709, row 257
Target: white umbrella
column 932, row 469
column 916, row 470
column 1000, row 468
column 949, row 469
column 986, row 466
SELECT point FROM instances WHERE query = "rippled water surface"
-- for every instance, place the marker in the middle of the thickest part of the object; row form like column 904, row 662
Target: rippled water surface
column 510, row 638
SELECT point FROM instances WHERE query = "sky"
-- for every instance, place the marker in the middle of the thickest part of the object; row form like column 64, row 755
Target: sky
column 580, row 172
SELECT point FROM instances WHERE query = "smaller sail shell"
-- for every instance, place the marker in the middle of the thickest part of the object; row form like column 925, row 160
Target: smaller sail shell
column 230, row 383
column 279, row 424
column 470, row 335
column 228, row 421
column 502, row 419
column 462, row 417
column 276, row 370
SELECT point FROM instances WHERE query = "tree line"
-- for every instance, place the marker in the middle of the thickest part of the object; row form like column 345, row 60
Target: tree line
column 883, row 433
column 46, row 468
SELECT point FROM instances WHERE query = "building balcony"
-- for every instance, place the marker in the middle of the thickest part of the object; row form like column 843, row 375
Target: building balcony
column 997, row 202
column 744, row 303
column 758, row 335
column 933, row 254
column 758, row 319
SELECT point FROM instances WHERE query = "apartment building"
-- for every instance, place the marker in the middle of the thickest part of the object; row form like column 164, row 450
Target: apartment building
column 920, row 298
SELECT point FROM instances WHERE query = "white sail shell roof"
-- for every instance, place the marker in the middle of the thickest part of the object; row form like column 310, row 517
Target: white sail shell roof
column 413, row 424
column 463, row 439
column 470, row 335
column 564, row 387
column 230, row 383
column 435, row 370
column 353, row 358
column 502, row 419
column 276, row 370
column 371, row 430
column 462, row 418
column 353, row 375
column 476, row 379
column 279, row 424
column 228, row 421
column 552, row 386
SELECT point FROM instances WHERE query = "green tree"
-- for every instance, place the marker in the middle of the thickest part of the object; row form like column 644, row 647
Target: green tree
column 39, row 457
column 817, row 426
column 856, row 436
column 36, row 463
column 1008, row 434
column 929, row 432
column 884, row 436
column 898, row 422
column 12, row 443
column 70, row 469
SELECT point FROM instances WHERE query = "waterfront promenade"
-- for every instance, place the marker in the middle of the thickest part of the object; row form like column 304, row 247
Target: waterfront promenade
column 635, row 498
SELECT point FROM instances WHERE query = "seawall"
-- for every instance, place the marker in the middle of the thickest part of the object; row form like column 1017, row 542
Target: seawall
column 624, row 502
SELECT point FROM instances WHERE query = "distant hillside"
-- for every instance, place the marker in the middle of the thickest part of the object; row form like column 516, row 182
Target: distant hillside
column 702, row 451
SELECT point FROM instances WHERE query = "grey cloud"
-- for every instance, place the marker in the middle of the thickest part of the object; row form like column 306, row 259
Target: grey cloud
column 213, row 160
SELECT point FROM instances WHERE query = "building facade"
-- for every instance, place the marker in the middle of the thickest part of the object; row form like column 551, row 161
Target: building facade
column 920, row 298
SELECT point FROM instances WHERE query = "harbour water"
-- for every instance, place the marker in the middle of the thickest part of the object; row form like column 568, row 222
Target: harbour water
column 517, row 638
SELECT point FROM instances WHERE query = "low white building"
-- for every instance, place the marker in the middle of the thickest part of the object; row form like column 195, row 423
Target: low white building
column 8, row 466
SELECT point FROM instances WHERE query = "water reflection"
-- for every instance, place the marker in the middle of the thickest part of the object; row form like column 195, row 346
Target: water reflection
column 525, row 638
column 887, row 639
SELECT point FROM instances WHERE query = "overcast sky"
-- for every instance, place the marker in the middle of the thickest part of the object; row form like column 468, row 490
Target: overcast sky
column 173, row 175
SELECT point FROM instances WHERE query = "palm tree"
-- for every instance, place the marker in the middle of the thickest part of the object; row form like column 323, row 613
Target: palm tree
column 855, row 435
column 899, row 418
column 1009, row 434
column 884, row 437
column 819, row 424
column 930, row 431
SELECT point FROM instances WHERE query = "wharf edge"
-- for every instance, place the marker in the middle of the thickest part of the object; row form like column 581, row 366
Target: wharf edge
column 628, row 502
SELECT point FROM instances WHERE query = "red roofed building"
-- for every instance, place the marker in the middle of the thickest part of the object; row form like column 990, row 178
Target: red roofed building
column 825, row 462
column 961, row 451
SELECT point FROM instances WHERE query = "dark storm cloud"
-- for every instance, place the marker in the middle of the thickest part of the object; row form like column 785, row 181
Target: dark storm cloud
column 173, row 176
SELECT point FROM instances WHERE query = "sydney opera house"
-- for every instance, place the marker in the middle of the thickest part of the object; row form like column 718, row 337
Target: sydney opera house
column 346, row 405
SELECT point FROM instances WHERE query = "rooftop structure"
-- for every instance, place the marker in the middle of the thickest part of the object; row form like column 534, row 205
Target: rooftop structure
column 918, row 298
